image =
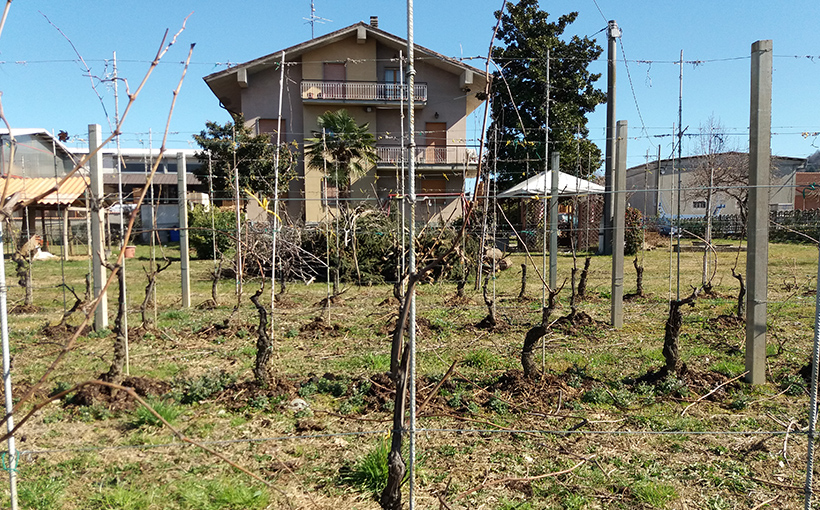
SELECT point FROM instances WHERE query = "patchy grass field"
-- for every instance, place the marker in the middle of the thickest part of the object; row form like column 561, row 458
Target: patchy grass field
column 588, row 434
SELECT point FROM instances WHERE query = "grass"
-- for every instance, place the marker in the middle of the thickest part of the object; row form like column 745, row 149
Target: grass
column 589, row 386
column 369, row 473
column 143, row 417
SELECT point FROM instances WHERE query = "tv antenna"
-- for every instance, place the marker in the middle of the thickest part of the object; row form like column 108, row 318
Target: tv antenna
column 313, row 19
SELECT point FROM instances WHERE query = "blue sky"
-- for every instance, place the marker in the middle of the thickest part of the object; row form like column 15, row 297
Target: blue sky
column 44, row 86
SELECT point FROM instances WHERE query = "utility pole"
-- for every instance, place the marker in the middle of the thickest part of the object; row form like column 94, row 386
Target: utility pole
column 757, row 258
column 613, row 32
column 619, row 224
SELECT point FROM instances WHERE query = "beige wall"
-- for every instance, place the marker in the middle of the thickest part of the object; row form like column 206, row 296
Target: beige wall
column 359, row 59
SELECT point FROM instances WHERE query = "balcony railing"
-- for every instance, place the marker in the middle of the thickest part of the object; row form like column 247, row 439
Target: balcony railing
column 428, row 155
column 360, row 91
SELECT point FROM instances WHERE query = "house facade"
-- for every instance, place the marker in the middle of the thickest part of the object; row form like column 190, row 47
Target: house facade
column 653, row 186
column 359, row 68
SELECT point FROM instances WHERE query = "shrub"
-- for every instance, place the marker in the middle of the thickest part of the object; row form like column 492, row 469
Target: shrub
column 202, row 224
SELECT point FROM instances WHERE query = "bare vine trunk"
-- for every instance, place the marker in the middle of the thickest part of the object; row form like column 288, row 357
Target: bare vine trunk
column 573, row 308
column 638, row 277
column 460, row 287
column 741, row 295
column 23, row 272
column 523, row 281
column 672, row 333
column 147, row 321
column 488, row 322
column 216, row 275
column 264, row 349
column 528, row 363
column 118, row 362
column 582, row 283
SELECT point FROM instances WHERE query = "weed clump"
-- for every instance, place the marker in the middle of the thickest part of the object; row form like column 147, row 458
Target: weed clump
column 203, row 387
column 369, row 472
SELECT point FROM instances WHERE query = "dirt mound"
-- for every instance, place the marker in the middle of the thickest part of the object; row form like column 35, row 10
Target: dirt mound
column 318, row 326
column 284, row 302
column 487, row 323
column 390, row 301
column 62, row 331
column 382, row 390
column 727, row 322
column 702, row 382
column 115, row 399
column 514, row 383
column 24, row 309
column 212, row 331
column 581, row 323
column 698, row 382
column 246, row 394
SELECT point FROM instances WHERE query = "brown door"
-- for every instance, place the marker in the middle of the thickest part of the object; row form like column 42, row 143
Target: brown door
column 435, row 141
column 334, row 76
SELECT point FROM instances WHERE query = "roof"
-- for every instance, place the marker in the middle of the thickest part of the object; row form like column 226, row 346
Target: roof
column 32, row 187
column 223, row 85
column 684, row 161
column 541, row 184
column 19, row 132
column 140, row 152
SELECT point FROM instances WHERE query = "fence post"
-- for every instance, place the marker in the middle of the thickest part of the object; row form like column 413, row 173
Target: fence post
column 184, row 256
column 618, row 226
column 97, row 247
column 757, row 257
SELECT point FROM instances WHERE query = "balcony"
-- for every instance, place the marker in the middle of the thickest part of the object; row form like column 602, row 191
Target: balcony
column 428, row 155
column 362, row 92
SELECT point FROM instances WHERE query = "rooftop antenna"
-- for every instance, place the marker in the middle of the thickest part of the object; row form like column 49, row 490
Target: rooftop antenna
column 313, row 19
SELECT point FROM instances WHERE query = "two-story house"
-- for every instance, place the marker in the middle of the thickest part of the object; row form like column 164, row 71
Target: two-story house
column 360, row 68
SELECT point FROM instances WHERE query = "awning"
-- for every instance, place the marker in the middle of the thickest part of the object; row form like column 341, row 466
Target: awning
column 33, row 187
column 541, row 185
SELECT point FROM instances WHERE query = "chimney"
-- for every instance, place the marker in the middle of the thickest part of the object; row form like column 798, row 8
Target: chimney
column 374, row 21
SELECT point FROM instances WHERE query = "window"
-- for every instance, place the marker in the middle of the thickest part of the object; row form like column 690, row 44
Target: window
column 391, row 83
column 699, row 204
column 391, row 75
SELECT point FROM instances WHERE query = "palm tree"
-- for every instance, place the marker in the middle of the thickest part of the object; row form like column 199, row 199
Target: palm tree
column 349, row 147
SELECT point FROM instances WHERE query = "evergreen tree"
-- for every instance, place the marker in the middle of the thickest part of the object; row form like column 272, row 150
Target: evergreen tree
column 254, row 156
column 519, row 97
